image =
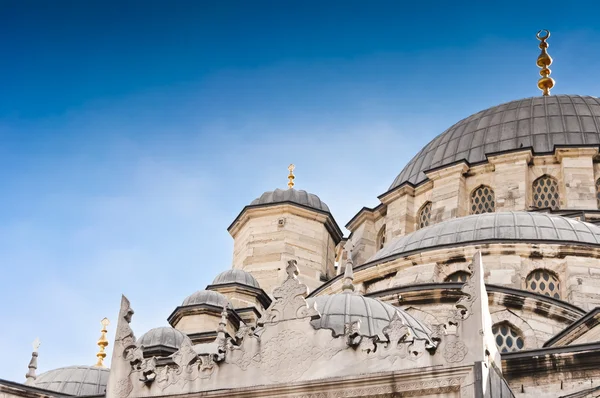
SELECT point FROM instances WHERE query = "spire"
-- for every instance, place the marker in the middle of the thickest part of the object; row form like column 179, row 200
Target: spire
column 348, row 280
column 31, row 376
column 102, row 343
column 544, row 61
column 291, row 176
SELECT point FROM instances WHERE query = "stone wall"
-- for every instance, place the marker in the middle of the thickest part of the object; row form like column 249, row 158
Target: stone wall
column 267, row 237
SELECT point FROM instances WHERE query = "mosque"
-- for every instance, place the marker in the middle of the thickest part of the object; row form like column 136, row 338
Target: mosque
column 477, row 275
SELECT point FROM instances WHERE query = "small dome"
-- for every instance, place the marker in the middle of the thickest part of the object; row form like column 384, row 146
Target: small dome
column 540, row 123
column 206, row 297
column 300, row 197
column 165, row 337
column 338, row 309
column 75, row 380
column 489, row 227
column 236, row 276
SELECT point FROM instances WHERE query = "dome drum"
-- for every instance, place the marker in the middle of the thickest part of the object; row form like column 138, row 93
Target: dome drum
column 200, row 313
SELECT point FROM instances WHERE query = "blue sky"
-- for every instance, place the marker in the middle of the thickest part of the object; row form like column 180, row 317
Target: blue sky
column 132, row 133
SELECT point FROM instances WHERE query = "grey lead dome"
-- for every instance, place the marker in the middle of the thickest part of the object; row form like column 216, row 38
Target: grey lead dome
column 541, row 123
column 206, row 297
column 501, row 226
column 75, row 380
column 291, row 195
column 236, row 276
column 339, row 309
column 164, row 337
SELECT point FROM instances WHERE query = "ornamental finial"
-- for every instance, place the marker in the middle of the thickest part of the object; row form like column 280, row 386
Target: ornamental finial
column 102, row 343
column 31, row 376
column 291, row 176
column 348, row 280
column 544, row 61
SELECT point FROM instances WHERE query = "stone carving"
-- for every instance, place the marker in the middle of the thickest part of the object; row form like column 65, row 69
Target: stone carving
column 465, row 303
column 290, row 300
column 189, row 367
column 148, row 370
column 120, row 385
column 352, row 333
column 396, row 331
column 455, row 351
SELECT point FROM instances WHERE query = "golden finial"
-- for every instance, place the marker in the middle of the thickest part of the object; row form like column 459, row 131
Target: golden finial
column 291, row 176
column 544, row 61
column 102, row 343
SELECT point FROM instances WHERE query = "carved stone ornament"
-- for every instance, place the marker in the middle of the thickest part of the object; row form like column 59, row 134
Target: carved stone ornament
column 290, row 300
column 125, row 351
column 465, row 303
column 455, row 351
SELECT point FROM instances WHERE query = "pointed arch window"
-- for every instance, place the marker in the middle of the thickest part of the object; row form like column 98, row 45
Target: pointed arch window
column 458, row 276
column 483, row 200
column 381, row 238
column 424, row 215
column 545, row 192
column 508, row 338
column 543, row 282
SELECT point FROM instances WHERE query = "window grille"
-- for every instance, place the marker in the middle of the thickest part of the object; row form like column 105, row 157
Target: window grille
column 458, row 276
column 543, row 282
column 381, row 238
column 483, row 200
column 545, row 192
column 507, row 338
column 424, row 215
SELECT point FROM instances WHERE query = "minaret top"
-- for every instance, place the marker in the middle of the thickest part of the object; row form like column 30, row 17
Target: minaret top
column 544, row 61
column 291, row 176
column 102, row 343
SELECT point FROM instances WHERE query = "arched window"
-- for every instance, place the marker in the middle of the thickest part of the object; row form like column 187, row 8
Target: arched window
column 545, row 192
column 483, row 200
column 424, row 215
column 598, row 192
column 458, row 276
column 544, row 282
column 381, row 238
column 508, row 339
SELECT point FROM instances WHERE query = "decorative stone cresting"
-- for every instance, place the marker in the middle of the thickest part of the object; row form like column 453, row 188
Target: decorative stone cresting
column 284, row 349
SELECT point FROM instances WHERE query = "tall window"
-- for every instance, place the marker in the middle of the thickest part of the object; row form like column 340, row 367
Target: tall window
column 381, row 238
column 508, row 339
column 545, row 192
column 424, row 215
column 458, row 276
column 544, row 282
column 598, row 192
column 483, row 200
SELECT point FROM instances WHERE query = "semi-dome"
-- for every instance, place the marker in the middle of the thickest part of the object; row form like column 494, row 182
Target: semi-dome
column 236, row 276
column 206, row 297
column 292, row 195
column 75, row 380
column 163, row 337
column 490, row 227
column 540, row 123
column 338, row 309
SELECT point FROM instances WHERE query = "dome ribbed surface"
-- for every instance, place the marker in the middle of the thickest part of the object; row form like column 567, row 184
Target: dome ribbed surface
column 163, row 336
column 291, row 195
column 501, row 226
column 75, row 380
column 236, row 276
column 206, row 297
column 338, row 309
column 539, row 122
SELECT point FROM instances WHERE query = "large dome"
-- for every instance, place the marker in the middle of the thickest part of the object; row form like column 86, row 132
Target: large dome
column 540, row 123
column 291, row 195
column 338, row 309
column 75, row 380
column 490, row 227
